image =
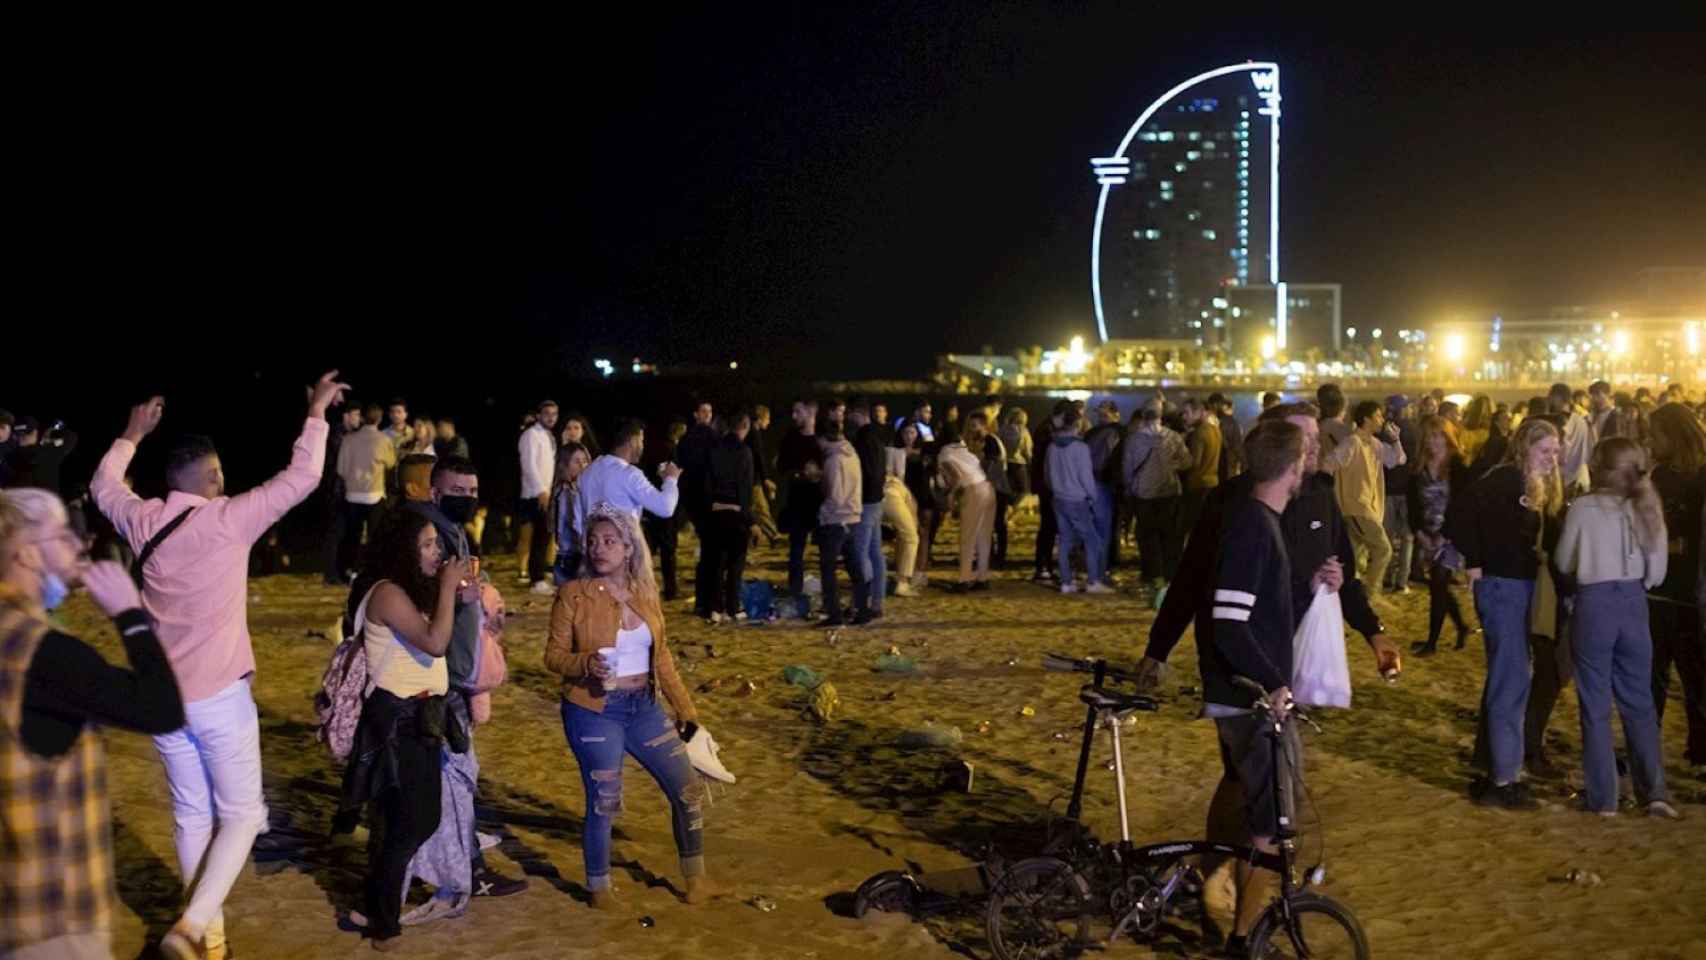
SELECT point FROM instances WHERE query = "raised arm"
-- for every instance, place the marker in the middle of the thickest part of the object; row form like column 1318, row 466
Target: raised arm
column 253, row 512
column 117, row 502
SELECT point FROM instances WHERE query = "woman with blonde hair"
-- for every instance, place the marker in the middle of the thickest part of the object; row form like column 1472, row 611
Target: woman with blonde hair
column 1615, row 547
column 1440, row 475
column 57, row 897
column 1678, row 444
column 607, row 643
column 1477, row 425
column 1499, row 527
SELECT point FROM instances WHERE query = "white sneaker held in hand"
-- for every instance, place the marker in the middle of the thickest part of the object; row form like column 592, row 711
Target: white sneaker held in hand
column 702, row 751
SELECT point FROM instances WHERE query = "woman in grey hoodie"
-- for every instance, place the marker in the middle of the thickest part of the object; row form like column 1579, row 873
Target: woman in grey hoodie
column 1614, row 545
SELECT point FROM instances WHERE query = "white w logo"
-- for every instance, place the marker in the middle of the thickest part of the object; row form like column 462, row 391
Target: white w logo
column 1264, row 81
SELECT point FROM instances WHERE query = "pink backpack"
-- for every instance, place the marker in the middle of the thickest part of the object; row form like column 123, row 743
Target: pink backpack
column 343, row 687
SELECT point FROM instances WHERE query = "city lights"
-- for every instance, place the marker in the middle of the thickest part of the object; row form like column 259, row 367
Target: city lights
column 1691, row 337
column 1268, row 348
column 1619, row 343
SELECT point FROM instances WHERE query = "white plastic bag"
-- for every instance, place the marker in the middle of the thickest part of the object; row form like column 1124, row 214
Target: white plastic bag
column 1320, row 677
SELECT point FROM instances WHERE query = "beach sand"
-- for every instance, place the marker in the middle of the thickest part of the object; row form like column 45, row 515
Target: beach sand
column 820, row 807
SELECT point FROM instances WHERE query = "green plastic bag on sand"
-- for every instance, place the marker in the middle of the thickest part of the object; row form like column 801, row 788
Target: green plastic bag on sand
column 801, row 676
column 889, row 663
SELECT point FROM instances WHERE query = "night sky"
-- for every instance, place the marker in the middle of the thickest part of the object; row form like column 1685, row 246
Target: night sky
column 807, row 192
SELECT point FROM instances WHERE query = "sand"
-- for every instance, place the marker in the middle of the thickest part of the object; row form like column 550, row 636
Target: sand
column 820, row 807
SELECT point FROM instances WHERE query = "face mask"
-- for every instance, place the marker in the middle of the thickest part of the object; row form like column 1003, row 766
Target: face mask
column 53, row 591
column 458, row 509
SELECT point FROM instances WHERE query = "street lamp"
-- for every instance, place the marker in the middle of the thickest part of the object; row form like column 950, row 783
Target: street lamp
column 1454, row 347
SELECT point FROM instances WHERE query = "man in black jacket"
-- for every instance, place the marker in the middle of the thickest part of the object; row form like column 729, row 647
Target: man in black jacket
column 1316, row 541
column 1252, row 619
column 729, row 494
column 868, row 535
column 693, row 455
column 763, row 475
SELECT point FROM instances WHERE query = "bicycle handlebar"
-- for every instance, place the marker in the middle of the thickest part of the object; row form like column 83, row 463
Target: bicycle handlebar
column 1266, row 706
column 1061, row 663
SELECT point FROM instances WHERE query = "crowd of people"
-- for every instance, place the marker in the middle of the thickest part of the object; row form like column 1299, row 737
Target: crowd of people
column 1575, row 520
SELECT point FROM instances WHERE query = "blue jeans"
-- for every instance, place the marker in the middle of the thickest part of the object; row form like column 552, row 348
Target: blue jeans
column 835, row 542
column 632, row 723
column 868, row 547
column 1614, row 659
column 1105, row 519
column 1503, row 604
column 1079, row 527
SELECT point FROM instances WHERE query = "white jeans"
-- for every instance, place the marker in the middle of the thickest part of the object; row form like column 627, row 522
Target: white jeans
column 213, row 767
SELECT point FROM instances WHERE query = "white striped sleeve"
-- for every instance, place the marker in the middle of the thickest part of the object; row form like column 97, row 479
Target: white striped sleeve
column 1241, row 614
column 1235, row 596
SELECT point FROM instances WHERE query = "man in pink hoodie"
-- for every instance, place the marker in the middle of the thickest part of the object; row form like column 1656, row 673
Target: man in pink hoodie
column 193, row 560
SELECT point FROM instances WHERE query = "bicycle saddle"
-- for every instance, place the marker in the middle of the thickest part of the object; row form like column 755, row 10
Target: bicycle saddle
column 1102, row 698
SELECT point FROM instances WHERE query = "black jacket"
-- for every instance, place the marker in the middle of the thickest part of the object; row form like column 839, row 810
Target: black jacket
column 729, row 477
column 873, row 462
column 1681, row 496
column 1251, row 606
column 693, row 455
column 1495, row 531
column 1313, row 528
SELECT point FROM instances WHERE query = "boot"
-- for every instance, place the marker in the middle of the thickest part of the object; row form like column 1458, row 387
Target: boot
column 604, row 899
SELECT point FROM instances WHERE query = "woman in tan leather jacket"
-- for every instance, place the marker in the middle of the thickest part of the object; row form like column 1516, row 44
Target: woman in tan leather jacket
column 607, row 642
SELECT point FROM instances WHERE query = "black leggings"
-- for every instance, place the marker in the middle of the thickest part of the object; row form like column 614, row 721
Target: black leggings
column 1442, row 603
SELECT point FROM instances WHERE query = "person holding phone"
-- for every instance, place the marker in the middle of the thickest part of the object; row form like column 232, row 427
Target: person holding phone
column 56, row 866
column 405, row 622
column 607, row 642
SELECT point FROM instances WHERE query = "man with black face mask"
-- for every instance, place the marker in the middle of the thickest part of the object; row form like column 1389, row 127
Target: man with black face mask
column 455, row 496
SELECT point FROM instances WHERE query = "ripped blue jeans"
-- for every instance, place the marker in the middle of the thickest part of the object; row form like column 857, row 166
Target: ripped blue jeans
column 632, row 724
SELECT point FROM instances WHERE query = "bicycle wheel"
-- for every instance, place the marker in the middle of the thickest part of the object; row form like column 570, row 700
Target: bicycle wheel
column 1039, row 910
column 1319, row 928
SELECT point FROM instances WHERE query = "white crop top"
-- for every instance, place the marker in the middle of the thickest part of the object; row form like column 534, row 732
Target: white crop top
column 634, row 651
column 393, row 665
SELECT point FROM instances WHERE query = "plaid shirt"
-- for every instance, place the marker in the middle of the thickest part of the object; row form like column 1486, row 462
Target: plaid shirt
column 56, row 859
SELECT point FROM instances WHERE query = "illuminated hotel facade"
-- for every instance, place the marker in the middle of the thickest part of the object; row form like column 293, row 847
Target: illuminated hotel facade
column 1188, row 211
